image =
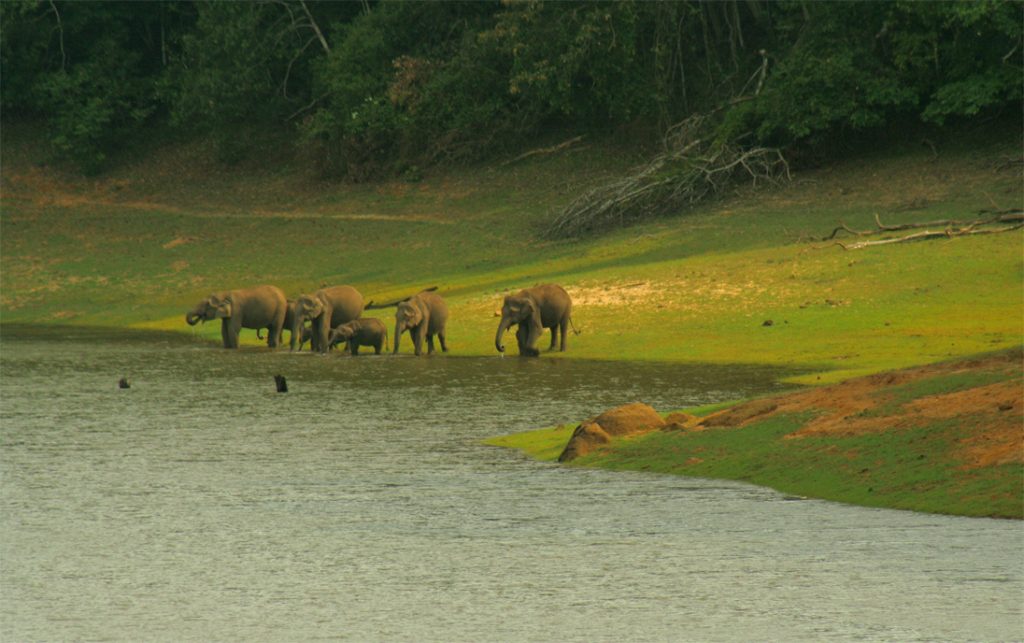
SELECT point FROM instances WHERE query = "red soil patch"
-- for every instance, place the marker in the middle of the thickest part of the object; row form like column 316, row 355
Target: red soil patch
column 994, row 412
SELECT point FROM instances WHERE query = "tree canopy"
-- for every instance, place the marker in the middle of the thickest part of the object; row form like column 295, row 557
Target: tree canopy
column 373, row 87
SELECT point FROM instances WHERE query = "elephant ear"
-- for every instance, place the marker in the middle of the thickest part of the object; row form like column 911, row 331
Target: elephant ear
column 214, row 306
column 532, row 314
column 408, row 313
column 222, row 307
column 309, row 306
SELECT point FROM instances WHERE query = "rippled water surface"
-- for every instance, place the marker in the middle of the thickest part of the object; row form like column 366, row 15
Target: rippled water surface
column 361, row 505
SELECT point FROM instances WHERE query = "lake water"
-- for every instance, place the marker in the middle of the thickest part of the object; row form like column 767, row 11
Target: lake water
column 201, row 505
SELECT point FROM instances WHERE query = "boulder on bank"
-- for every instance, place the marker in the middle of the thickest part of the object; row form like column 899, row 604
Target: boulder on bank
column 628, row 419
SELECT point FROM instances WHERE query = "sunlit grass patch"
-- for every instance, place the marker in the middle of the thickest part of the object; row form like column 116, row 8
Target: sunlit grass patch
column 542, row 444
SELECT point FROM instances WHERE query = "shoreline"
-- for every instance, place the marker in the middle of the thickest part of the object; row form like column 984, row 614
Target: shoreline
column 941, row 438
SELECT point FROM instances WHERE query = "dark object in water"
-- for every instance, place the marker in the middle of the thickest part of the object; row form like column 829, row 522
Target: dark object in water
column 282, row 384
column 123, row 383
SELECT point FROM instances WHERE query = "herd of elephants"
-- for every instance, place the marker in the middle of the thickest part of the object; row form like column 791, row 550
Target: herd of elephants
column 335, row 316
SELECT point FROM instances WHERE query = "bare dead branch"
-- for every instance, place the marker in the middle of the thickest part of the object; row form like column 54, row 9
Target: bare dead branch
column 692, row 168
column 60, row 32
column 546, row 150
column 948, row 233
column 844, row 228
column 372, row 306
column 315, row 27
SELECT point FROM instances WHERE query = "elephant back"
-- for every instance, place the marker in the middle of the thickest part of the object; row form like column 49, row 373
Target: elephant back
column 553, row 301
column 260, row 306
column 436, row 307
column 346, row 303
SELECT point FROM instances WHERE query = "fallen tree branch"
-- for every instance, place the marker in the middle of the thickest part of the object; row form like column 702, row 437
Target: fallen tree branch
column 928, row 234
column 372, row 306
column 844, row 228
column 546, row 150
column 693, row 167
column 1008, row 217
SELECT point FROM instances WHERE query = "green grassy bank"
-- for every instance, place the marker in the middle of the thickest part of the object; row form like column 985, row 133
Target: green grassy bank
column 137, row 247
column 943, row 438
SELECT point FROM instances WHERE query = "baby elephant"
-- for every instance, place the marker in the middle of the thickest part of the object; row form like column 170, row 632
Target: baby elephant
column 360, row 332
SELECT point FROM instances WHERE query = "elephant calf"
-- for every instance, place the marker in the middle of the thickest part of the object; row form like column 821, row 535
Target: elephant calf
column 360, row 332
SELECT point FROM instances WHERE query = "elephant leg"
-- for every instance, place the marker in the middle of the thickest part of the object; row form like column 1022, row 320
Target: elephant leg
column 354, row 348
column 523, row 338
column 554, row 338
column 417, row 338
column 225, row 333
column 232, row 330
column 564, row 327
column 430, row 344
column 444, row 344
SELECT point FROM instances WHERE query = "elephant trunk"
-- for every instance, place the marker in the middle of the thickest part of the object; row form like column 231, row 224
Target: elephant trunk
column 297, row 326
column 399, row 328
column 502, row 327
column 192, row 318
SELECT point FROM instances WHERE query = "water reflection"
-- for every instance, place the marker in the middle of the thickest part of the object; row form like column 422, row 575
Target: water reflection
column 200, row 504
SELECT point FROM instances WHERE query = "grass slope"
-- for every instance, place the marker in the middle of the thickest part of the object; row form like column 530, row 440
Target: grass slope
column 138, row 247
column 944, row 438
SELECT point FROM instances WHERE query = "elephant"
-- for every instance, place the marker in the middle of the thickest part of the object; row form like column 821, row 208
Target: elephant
column 424, row 315
column 367, row 331
column 535, row 309
column 259, row 307
column 305, row 335
column 327, row 308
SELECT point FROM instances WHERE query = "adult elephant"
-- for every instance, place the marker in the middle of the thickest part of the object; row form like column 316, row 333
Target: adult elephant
column 289, row 323
column 535, row 309
column 259, row 307
column 424, row 315
column 326, row 308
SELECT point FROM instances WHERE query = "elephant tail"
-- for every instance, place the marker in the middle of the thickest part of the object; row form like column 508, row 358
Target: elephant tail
column 575, row 331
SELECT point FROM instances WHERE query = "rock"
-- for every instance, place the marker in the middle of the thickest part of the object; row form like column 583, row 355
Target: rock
column 629, row 419
column 584, row 439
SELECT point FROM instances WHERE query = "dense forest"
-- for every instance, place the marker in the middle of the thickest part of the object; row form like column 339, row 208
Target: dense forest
column 371, row 88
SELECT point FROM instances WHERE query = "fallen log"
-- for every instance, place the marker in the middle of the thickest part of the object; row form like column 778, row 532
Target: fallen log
column 372, row 306
column 927, row 234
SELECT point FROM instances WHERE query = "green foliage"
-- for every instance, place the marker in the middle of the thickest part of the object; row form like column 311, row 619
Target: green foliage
column 856, row 66
column 86, row 67
column 376, row 87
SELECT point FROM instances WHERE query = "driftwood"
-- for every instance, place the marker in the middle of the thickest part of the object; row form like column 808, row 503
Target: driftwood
column 372, row 306
column 950, row 228
column 693, row 167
